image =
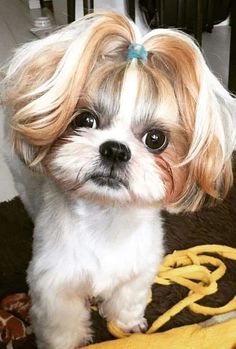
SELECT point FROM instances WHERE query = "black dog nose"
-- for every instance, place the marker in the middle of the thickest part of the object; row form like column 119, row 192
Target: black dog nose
column 115, row 151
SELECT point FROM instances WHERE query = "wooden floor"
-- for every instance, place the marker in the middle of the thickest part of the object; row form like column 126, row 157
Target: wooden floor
column 15, row 23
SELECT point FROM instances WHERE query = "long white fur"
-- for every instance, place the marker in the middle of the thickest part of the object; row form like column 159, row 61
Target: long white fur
column 82, row 249
column 128, row 93
column 210, row 89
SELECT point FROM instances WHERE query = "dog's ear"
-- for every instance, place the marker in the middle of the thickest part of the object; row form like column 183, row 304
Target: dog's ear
column 46, row 78
column 205, row 113
column 31, row 99
column 28, row 77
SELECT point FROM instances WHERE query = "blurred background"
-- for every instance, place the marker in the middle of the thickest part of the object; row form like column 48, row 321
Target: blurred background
column 211, row 22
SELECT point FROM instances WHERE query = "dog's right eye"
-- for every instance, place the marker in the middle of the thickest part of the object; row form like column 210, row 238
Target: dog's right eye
column 155, row 141
column 85, row 119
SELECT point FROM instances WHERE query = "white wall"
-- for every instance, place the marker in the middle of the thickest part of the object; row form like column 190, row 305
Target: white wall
column 60, row 10
column 101, row 5
column 118, row 5
column 34, row 4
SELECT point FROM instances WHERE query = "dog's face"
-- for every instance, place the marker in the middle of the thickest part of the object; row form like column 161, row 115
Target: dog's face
column 127, row 132
column 121, row 143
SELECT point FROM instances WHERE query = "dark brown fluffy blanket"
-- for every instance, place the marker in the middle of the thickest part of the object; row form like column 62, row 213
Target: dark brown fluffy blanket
column 209, row 226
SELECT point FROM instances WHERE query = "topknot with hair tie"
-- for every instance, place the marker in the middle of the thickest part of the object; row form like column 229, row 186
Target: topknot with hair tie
column 137, row 51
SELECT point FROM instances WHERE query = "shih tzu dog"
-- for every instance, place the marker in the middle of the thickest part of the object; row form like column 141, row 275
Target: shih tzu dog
column 108, row 128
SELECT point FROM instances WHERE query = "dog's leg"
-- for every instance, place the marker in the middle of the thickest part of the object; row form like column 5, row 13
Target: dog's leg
column 127, row 304
column 60, row 322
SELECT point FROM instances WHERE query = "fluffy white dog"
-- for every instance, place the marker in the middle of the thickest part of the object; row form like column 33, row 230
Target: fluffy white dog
column 107, row 129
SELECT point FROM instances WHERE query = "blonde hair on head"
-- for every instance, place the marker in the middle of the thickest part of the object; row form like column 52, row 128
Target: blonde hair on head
column 47, row 79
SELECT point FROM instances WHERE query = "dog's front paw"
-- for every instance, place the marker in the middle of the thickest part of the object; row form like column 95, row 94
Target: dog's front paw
column 137, row 326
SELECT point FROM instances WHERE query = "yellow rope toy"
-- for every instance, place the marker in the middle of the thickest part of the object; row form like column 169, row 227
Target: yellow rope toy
column 182, row 267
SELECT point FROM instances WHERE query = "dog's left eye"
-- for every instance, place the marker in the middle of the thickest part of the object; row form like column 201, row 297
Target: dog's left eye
column 155, row 141
column 85, row 119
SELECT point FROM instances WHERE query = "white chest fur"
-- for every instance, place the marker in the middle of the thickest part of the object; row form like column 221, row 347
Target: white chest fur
column 94, row 246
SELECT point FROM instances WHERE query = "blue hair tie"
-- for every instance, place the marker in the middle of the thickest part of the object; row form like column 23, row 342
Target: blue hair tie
column 137, row 51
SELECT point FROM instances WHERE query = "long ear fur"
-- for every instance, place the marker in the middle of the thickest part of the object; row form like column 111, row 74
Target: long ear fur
column 206, row 114
column 46, row 78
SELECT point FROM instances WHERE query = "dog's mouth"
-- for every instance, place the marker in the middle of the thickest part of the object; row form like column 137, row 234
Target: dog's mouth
column 111, row 181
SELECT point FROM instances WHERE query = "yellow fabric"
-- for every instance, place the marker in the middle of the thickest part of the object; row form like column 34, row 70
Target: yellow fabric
column 186, row 267
column 220, row 336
